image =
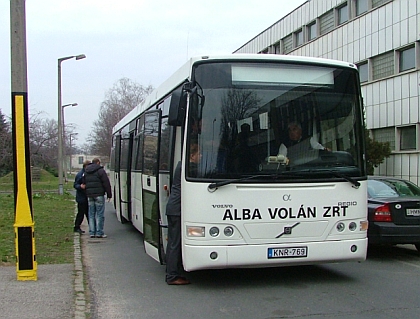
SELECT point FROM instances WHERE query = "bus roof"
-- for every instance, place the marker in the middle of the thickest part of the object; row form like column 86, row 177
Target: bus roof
column 183, row 74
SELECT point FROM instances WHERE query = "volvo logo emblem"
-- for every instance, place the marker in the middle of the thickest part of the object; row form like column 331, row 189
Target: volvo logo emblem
column 287, row 230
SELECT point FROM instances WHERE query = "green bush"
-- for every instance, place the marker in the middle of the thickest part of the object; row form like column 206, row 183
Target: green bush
column 53, row 171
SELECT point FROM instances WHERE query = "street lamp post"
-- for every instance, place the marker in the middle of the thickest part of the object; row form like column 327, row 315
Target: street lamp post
column 60, row 114
column 64, row 139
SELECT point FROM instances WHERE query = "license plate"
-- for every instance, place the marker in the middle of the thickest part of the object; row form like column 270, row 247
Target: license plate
column 413, row 212
column 287, row 252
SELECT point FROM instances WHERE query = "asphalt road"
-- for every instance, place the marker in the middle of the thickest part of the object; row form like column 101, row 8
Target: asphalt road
column 127, row 283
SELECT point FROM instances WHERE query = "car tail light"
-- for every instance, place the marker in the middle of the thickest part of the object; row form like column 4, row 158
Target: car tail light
column 382, row 214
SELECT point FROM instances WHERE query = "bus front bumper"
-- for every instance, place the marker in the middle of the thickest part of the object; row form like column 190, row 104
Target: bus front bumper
column 273, row 255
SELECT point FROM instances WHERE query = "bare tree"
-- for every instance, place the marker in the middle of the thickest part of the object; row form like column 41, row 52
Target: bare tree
column 6, row 151
column 85, row 148
column 124, row 96
column 43, row 141
column 238, row 104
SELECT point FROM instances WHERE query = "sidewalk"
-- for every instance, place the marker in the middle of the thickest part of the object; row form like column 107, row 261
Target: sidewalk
column 58, row 293
column 51, row 296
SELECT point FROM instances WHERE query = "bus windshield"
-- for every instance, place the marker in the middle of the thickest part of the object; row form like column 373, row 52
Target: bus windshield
column 275, row 120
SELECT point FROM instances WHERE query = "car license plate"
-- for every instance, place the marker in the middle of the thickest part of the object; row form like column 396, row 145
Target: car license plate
column 413, row 212
column 288, row 252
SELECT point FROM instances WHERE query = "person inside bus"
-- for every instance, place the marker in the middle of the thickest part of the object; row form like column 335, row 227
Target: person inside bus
column 173, row 214
column 195, row 157
column 296, row 144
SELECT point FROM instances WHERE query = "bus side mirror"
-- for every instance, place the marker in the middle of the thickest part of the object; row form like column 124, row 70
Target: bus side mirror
column 177, row 108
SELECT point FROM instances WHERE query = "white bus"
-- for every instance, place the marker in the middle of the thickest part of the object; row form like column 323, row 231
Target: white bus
column 248, row 203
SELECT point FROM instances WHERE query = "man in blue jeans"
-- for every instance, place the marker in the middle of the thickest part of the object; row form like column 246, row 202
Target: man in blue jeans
column 97, row 185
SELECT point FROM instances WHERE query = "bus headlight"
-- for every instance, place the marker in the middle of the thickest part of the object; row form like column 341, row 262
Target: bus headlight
column 228, row 231
column 214, row 232
column 352, row 226
column 195, row 231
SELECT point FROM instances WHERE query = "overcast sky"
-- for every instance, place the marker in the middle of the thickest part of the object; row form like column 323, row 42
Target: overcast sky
column 145, row 41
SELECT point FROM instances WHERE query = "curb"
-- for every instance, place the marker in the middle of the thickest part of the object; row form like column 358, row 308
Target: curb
column 79, row 287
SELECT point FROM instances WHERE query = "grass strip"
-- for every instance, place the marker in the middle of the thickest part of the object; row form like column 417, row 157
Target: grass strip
column 54, row 220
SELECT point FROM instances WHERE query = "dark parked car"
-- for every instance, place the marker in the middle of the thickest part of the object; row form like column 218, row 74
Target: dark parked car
column 393, row 211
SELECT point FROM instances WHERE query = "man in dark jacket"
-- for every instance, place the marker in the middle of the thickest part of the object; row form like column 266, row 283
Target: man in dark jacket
column 97, row 184
column 173, row 214
column 81, row 199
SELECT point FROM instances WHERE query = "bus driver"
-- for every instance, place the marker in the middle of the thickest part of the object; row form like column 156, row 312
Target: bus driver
column 296, row 144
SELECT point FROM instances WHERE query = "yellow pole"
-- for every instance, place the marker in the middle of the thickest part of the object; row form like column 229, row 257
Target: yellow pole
column 26, row 266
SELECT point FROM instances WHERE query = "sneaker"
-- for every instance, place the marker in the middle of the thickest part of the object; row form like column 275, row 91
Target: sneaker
column 92, row 236
column 102, row 236
column 79, row 231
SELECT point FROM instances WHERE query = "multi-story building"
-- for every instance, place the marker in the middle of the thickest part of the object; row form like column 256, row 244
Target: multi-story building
column 382, row 38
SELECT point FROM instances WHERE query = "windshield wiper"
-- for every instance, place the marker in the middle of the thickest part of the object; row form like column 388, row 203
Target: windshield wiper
column 355, row 183
column 302, row 174
column 213, row 186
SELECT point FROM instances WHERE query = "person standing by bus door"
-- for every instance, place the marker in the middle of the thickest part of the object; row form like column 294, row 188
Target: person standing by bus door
column 97, row 184
column 81, row 199
column 173, row 213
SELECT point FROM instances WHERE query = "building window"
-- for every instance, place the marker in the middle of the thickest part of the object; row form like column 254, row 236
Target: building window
column 298, row 38
column 342, row 14
column 383, row 65
column 312, row 31
column 276, row 48
column 287, row 44
column 80, row 160
column 363, row 72
column 384, row 135
column 407, row 59
column 326, row 22
column 361, row 6
column 408, row 139
column 377, row 3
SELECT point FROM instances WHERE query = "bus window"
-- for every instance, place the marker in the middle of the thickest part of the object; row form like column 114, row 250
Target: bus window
column 267, row 99
column 150, row 146
column 164, row 145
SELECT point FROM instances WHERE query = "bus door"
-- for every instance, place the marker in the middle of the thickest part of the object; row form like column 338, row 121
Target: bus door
column 116, row 190
column 150, row 185
column 136, row 182
column 122, row 176
column 125, row 177
column 164, row 180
